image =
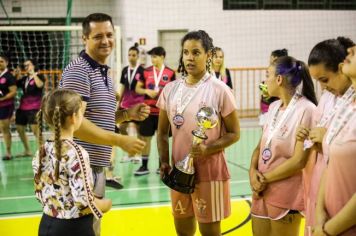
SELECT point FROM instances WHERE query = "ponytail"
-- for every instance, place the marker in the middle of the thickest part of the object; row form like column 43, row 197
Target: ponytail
column 296, row 72
column 307, row 82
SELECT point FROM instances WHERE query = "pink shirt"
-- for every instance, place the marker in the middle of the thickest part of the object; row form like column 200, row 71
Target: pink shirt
column 326, row 103
column 340, row 185
column 287, row 193
column 213, row 93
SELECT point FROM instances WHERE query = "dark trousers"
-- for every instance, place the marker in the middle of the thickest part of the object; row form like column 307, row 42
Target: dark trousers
column 51, row 226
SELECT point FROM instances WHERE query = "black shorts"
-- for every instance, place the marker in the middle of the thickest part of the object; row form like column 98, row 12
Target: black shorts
column 6, row 112
column 149, row 126
column 26, row 117
column 51, row 226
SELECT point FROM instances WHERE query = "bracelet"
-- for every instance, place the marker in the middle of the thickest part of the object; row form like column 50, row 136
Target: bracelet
column 324, row 231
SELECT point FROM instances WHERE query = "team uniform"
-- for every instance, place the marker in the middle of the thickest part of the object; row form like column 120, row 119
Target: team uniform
column 30, row 102
column 7, row 106
column 210, row 201
column 226, row 79
column 281, row 197
column 149, row 125
column 340, row 184
column 326, row 103
column 130, row 97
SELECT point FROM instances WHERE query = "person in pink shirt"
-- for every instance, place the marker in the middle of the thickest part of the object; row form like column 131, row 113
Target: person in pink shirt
column 336, row 204
column 8, row 90
column 325, row 63
column 275, row 172
column 130, row 76
column 210, row 202
column 31, row 84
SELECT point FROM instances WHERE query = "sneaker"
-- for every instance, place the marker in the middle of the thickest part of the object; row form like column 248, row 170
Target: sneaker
column 125, row 159
column 114, row 183
column 142, row 171
column 158, row 171
column 136, row 160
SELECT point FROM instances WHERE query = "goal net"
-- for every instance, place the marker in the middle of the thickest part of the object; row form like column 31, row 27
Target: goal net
column 52, row 47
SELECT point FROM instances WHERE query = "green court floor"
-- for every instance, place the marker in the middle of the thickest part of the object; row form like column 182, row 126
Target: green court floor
column 141, row 208
column 16, row 182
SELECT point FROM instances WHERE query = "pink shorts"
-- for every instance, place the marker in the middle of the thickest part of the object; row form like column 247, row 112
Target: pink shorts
column 209, row 203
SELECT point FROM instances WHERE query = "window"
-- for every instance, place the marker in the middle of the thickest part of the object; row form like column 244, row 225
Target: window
column 289, row 4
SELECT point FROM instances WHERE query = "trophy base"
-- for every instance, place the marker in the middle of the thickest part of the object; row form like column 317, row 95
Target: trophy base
column 180, row 181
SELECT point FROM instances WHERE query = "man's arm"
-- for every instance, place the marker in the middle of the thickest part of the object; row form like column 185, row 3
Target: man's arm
column 91, row 133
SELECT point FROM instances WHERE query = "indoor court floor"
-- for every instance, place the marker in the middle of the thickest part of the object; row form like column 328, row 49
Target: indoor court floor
column 140, row 208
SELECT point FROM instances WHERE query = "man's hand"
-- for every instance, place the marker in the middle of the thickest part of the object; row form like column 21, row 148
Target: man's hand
column 132, row 145
column 138, row 112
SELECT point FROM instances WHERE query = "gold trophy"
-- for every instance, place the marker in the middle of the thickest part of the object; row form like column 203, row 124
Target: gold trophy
column 182, row 177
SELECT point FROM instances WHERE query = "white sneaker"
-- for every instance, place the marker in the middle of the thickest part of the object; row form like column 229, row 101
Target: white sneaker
column 125, row 159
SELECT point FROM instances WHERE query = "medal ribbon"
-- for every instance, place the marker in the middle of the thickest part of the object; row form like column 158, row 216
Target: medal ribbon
column 157, row 79
column 274, row 128
column 181, row 107
column 342, row 102
column 129, row 77
column 339, row 122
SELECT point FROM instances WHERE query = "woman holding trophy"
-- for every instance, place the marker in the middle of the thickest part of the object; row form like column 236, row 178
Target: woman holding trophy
column 275, row 172
column 199, row 95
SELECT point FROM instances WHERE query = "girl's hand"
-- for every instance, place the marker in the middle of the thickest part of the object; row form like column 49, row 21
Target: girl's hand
column 165, row 168
column 257, row 181
column 317, row 134
column 302, row 133
column 198, row 150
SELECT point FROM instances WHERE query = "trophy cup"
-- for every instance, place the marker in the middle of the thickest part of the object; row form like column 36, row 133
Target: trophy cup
column 181, row 178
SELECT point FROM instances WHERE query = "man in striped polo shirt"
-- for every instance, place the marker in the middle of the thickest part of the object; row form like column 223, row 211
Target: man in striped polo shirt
column 88, row 76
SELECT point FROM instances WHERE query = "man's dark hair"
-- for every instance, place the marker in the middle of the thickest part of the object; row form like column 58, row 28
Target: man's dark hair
column 95, row 17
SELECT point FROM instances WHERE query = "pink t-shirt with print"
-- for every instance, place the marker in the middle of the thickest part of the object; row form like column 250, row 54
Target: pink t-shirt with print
column 340, row 185
column 283, row 195
column 213, row 93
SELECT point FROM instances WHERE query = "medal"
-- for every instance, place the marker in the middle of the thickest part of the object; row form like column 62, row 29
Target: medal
column 178, row 120
column 275, row 125
column 266, row 155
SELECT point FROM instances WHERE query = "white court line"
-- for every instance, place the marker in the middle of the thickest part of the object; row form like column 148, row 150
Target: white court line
column 118, row 208
column 112, row 190
column 26, row 179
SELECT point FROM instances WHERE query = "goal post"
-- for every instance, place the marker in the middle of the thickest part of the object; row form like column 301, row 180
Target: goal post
column 52, row 47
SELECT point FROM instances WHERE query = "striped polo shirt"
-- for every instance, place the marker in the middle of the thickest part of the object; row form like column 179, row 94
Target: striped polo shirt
column 91, row 80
